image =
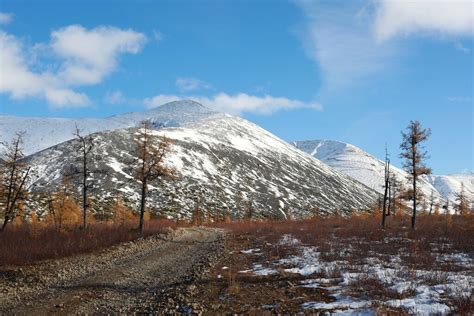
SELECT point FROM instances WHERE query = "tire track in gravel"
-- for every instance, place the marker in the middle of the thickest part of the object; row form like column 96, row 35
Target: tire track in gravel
column 137, row 285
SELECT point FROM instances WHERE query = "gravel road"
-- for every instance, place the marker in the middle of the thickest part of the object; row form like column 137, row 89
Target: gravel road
column 152, row 275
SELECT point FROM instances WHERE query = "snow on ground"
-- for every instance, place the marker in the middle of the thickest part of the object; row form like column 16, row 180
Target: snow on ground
column 419, row 292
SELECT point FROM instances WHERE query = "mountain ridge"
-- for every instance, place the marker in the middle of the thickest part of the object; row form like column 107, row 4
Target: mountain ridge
column 369, row 170
column 222, row 161
column 42, row 133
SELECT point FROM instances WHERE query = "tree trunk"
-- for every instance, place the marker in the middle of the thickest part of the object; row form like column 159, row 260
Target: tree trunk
column 84, row 193
column 413, row 218
column 384, row 209
column 5, row 222
column 142, row 205
column 389, row 211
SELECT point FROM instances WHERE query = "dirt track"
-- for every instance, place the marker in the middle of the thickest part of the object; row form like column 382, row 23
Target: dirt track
column 148, row 279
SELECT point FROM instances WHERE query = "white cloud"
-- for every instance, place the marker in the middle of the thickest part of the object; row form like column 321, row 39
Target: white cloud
column 340, row 39
column 90, row 55
column 5, row 18
column 445, row 17
column 115, row 97
column 61, row 98
column 118, row 98
column 191, row 84
column 85, row 57
column 17, row 79
column 238, row 103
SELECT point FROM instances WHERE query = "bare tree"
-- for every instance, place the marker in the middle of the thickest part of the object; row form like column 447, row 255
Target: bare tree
column 85, row 149
column 386, row 187
column 462, row 204
column 151, row 152
column 414, row 155
column 13, row 178
column 395, row 191
column 432, row 202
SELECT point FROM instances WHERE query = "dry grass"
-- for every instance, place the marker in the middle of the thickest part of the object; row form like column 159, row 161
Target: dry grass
column 352, row 244
column 26, row 244
column 332, row 235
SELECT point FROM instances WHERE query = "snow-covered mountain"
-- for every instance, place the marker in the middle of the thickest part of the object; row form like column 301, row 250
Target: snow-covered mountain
column 450, row 186
column 369, row 170
column 356, row 163
column 41, row 133
column 223, row 161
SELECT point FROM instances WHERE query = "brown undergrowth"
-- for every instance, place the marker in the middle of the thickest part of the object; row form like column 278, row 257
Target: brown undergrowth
column 347, row 244
column 27, row 243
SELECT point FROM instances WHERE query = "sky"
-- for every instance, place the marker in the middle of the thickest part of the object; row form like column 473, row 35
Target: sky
column 355, row 71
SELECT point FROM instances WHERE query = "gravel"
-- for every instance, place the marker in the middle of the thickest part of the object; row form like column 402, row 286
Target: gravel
column 151, row 275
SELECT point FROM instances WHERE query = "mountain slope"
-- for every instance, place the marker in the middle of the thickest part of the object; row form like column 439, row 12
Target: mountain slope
column 223, row 160
column 41, row 133
column 450, row 186
column 357, row 163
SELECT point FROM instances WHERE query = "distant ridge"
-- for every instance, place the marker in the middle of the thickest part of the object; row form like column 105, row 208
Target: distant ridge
column 369, row 170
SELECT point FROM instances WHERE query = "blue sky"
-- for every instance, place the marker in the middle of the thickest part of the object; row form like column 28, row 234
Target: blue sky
column 355, row 71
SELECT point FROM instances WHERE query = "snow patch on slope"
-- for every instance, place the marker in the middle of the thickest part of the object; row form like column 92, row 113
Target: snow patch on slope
column 357, row 163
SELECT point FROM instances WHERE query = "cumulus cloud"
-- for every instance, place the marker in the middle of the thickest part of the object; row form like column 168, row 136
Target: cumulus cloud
column 5, row 18
column 85, row 57
column 238, row 103
column 90, row 55
column 17, row 79
column 445, row 17
column 191, row 84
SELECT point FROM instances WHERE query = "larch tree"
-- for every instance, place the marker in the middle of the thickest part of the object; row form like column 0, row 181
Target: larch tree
column 151, row 151
column 63, row 210
column 414, row 157
column 84, row 148
column 13, row 178
column 386, row 187
column 462, row 203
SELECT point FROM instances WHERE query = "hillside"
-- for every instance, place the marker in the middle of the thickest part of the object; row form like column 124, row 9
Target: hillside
column 356, row 163
column 224, row 162
column 369, row 170
column 450, row 186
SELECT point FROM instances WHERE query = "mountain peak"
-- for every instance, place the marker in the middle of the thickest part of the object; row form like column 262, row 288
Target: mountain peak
column 186, row 105
column 42, row 133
